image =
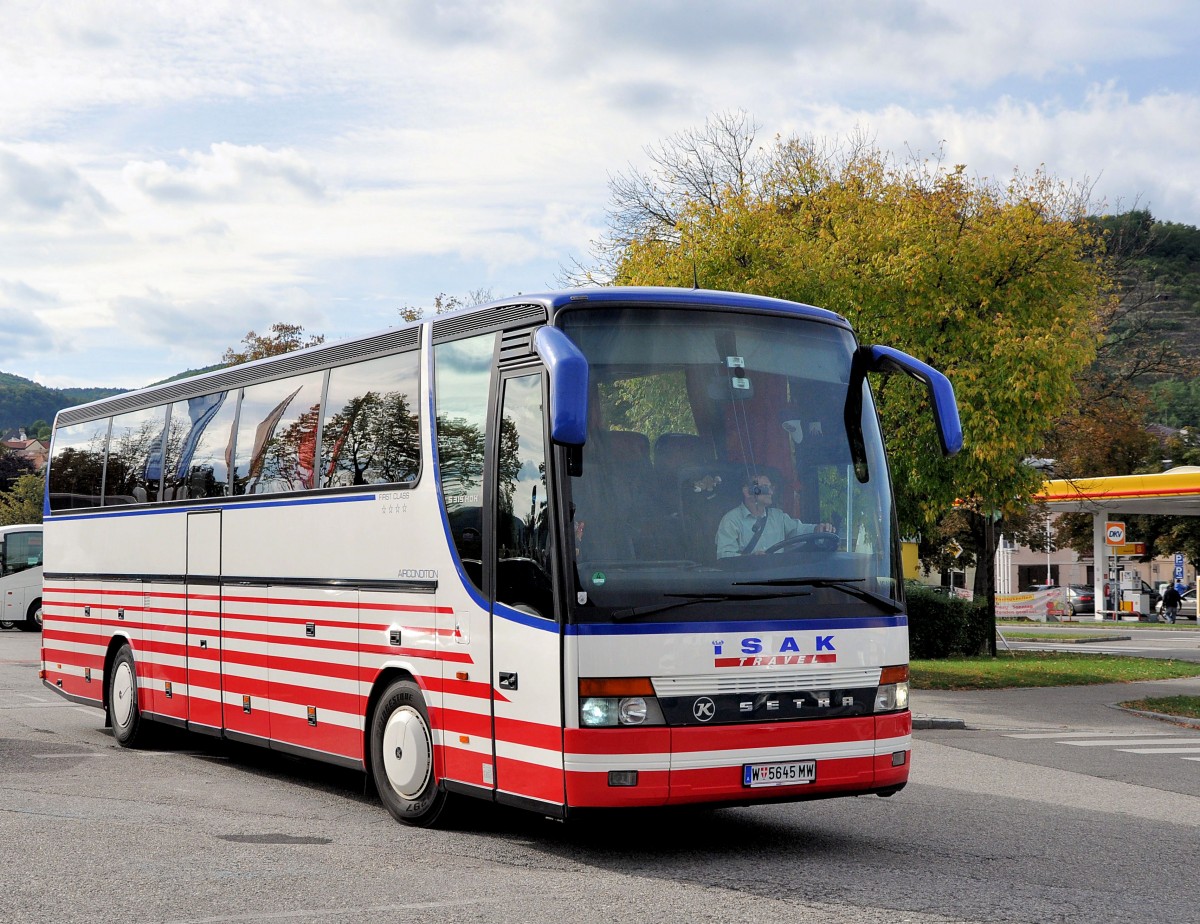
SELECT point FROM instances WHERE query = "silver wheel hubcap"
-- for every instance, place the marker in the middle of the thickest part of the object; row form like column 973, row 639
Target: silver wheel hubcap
column 123, row 695
column 407, row 752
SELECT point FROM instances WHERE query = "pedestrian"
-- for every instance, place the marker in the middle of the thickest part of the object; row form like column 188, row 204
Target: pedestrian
column 1170, row 604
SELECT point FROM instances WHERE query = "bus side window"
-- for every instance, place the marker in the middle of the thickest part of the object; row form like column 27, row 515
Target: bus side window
column 462, row 376
column 76, row 469
column 196, row 446
column 133, row 473
column 371, row 431
column 276, row 449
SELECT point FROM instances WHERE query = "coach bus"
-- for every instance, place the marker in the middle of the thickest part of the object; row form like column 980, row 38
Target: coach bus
column 488, row 554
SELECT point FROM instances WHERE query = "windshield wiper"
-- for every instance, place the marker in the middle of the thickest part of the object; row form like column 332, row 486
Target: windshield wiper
column 845, row 585
column 690, row 599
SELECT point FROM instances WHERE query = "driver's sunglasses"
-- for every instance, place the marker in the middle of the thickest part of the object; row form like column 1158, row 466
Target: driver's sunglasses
column 765, row 488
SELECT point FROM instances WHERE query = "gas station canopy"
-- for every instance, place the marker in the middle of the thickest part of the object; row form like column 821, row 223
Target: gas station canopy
column 1172, row 493
column 1175, row 493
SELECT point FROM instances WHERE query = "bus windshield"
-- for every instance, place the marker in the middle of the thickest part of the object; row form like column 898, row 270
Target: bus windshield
column 718, row 480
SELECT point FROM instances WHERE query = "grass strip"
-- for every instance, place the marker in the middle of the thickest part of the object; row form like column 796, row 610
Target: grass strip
column 1185, row 706
column 1042, row 669
column 1058, row 636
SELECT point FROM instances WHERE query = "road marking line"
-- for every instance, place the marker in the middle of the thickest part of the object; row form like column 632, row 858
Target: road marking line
column 1118, row 742
column 1195, row 750
column 1095, row 734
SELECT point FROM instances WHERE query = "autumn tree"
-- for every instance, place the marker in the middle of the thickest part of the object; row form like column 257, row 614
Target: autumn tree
column 283, row 338
column 444, row 304
column 998, row 285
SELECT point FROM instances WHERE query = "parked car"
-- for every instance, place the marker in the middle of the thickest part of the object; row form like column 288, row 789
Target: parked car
column 1081, row 599
column 1187, row 606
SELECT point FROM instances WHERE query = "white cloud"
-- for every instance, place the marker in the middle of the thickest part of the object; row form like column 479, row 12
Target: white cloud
column 173, row 175
column 228, row 173
column 49, row 190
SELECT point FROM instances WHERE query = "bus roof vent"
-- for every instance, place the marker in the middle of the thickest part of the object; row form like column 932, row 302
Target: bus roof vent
column 452, row 327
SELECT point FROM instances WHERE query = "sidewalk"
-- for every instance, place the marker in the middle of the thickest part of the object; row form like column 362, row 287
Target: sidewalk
column 1051, row 708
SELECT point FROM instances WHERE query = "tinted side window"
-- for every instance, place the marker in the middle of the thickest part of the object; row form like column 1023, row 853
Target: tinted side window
column 522, row 525
column 198, row 445
column 135, row 448
column 462, row 373
column 21, row 551
column 370, row 434
column 77, row 465
column 277, row 436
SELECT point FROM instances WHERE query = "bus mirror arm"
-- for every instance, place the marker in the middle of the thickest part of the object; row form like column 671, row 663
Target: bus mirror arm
column 853, row 418
column 568, row 371
column 941, row 392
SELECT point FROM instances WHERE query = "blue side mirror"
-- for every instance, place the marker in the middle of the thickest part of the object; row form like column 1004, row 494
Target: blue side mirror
column 941, row 392
column 568, row 385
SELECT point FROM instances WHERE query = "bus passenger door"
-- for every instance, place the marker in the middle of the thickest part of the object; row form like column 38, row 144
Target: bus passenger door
column 526, row 648
column 202, row 620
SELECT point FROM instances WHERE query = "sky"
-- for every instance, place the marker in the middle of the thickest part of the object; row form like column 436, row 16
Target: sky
column 175, row 174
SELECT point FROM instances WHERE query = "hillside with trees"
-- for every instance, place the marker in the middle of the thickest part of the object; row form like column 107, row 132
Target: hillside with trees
column 23, row 402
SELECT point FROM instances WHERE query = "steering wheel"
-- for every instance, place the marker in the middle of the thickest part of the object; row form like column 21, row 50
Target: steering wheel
column 826, row 542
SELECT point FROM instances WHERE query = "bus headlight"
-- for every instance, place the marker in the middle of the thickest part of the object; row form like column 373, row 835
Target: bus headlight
column 610, row 702
column 892, row 694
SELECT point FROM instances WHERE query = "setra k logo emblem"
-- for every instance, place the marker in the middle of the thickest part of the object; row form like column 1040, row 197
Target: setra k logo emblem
column 704, row 709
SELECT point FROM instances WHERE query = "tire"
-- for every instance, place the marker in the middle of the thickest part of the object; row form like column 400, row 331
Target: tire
column 33, row 619
column 129, row 728
column 402, row 757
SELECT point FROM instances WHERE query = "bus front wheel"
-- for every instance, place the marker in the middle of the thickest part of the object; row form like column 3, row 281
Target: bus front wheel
column 123, row 713
column 402, row 756
column 33, row 619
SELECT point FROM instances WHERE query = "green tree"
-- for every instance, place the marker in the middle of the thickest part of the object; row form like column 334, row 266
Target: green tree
column 22, row 503
column 999, row 285
column 12, row 467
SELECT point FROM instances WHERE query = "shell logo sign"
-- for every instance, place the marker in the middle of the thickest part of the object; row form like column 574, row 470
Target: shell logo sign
column 1114, row 533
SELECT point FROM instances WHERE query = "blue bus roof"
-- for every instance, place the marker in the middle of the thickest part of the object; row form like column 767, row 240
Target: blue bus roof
column 666, row 296
column 407, row 332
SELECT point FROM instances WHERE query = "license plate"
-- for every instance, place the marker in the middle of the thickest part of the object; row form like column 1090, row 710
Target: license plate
column 792, row 773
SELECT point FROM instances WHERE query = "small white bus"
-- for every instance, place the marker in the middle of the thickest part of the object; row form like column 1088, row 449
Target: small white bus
column 21, row 577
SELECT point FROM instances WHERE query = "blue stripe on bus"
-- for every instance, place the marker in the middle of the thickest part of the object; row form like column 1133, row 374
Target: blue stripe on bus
column 775, row 625
column 525, row 619
column 234, row 505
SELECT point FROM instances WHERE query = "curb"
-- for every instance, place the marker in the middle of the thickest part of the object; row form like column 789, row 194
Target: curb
column 929, row 721
column 1185, row 721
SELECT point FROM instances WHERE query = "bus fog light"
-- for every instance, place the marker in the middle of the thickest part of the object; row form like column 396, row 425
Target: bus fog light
column 891, row 697
column 632, row 710
column 622, row 777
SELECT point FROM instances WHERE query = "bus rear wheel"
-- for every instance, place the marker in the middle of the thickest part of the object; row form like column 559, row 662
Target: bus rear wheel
column 402, row 756
column 128, row 727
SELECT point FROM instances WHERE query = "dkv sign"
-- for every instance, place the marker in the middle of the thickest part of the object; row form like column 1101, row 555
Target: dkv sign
column 1114, row 533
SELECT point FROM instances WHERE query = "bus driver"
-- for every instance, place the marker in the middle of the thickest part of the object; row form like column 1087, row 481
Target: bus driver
column 754, row 525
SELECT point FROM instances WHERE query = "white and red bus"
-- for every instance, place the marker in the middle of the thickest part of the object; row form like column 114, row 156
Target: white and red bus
column 478, row 555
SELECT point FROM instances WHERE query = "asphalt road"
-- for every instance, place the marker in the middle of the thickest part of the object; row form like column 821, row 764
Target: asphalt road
column 1029, row 814
column 1138, row 640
